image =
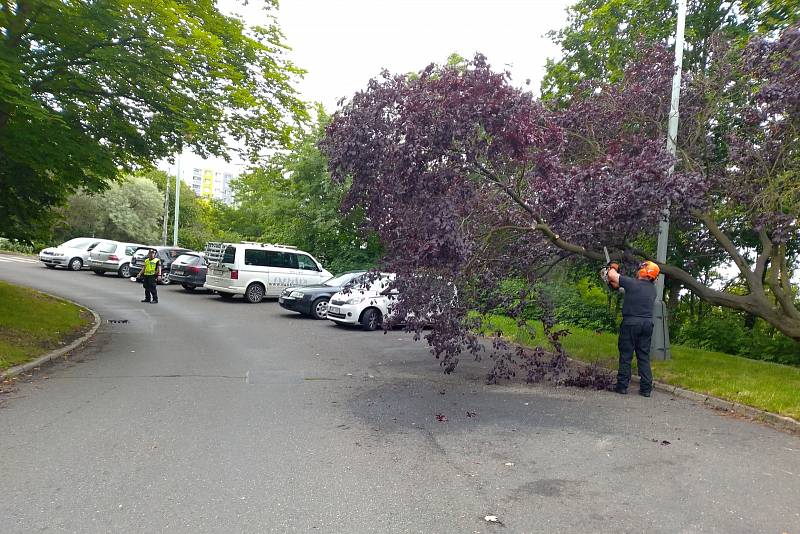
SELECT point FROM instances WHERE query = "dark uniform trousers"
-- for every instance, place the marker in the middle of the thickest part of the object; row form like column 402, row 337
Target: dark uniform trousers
column 150, row 287
column 634, row 335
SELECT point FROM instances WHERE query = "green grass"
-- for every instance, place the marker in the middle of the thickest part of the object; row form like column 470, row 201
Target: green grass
column 765, row 385
column 32, row 323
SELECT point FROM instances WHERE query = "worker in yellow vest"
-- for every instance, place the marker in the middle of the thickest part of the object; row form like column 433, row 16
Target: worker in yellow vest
column 150, row 274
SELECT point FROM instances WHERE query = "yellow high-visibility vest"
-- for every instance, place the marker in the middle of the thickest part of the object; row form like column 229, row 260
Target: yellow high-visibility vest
column 150, row 266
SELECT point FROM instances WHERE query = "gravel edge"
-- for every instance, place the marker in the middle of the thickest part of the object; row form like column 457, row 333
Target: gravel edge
column 25, row 367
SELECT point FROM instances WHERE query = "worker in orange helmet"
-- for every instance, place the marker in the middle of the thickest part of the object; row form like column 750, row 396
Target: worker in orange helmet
column 636, row 329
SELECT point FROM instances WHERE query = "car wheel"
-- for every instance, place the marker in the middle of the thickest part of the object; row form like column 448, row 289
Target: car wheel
column 125, row 270
column 99, row 273
column 319, row 308
column 188, row 287
column 164, row 278
column 226, row 296
column 371, row 319
column 254, row 293
column 75, row 264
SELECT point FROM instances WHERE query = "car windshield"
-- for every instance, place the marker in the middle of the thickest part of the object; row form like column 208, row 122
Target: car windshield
column 367, row 283
column 342, row 279
column 77, row 243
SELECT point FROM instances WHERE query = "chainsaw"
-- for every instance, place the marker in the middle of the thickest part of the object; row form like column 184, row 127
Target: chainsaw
column 604, row 272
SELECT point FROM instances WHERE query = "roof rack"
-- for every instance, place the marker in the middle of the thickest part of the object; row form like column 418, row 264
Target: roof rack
column 292, row 247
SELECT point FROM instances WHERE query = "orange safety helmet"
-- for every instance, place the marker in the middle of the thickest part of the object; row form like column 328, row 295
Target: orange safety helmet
column 649, row 270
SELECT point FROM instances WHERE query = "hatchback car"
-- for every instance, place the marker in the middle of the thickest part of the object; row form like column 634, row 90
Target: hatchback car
column 112, row 257
column 167, row 255
column 366, row 304
column 313, row 300
column 189, row 270
column 73, row 255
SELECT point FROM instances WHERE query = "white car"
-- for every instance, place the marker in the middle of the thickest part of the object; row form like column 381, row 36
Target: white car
column 366, row 306
column 259, row 270
column 112, row 256
column 74, row 254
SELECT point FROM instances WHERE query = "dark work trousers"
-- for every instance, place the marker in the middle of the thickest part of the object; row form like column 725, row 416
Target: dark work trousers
column 150, row 287
column 634, row 335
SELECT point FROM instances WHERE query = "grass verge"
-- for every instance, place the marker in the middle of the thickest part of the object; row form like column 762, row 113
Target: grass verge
column 32, row 324
column 768, row 386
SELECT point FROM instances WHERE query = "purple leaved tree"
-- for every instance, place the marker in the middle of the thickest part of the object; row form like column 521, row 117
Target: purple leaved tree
column 470, row 181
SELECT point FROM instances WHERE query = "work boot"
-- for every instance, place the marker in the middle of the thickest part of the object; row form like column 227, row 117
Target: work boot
column 144, row 300
column 621, row 390
column 154, row 302
column 644, row 393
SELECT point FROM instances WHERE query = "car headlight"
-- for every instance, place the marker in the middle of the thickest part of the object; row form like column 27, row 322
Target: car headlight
column 354, row 300
column 296, row 294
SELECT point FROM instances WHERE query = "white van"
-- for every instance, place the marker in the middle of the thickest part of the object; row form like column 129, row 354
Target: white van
column 258, row 270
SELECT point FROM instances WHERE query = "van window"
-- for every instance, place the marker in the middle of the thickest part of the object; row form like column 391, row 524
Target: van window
column 306, row 263
column 229, row 256
column 269, row 258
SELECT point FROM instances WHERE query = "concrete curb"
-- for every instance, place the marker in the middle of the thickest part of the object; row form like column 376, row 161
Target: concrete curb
column 772, row 419
column 38, row 362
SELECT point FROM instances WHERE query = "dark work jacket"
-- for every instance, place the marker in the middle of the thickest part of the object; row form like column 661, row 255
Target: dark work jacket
column 639, row 298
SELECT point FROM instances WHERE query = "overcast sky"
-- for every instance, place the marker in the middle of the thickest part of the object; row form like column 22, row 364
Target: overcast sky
column 344, row 43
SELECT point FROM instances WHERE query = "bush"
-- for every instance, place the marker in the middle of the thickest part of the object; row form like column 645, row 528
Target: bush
column 23, row 247
column 726, row 331
column 577, row 303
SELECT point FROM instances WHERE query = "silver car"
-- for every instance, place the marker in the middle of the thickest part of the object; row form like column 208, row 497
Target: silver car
column 74, row 254
column 112, row 257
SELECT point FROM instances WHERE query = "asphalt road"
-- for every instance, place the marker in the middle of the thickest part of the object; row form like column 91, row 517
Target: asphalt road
column 203, row 415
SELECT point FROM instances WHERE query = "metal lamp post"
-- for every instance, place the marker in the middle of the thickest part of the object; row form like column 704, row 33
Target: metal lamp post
column 177, row 202
column 659, row 348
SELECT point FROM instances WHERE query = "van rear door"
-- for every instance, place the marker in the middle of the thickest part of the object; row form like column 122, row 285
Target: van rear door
column 221, row 261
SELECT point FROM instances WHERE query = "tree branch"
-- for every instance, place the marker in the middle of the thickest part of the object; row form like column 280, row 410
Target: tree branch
column 763, row 258
column 729, row 247
column 779, row 286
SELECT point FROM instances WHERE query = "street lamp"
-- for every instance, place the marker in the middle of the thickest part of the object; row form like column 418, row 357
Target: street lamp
column 659, row 347
column 177, row 201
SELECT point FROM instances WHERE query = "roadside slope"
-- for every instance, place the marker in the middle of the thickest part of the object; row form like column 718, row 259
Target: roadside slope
column 32, row 323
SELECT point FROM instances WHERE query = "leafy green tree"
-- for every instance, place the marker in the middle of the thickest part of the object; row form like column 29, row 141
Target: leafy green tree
column 602, row 37
column 126, row 211
column 92, row 87
column 293, row 201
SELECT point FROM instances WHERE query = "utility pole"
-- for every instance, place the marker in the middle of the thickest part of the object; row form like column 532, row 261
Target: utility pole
column 659, row 347
column 177, row 201
column 166, row 212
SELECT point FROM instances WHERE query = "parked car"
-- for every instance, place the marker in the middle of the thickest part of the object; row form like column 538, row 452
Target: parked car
column 167, row 255
column 313, row 300
column 258, row 270
column 112, row 256
column 74, row 254
column 189, row 270
column 366, row 306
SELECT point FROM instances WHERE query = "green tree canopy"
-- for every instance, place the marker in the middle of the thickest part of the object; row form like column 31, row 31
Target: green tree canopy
column 602, row 37
column 127, row 211
column 89, row 88
column 293, row 201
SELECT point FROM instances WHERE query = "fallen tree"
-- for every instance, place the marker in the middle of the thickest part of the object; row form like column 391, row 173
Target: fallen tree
column 463, row 175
